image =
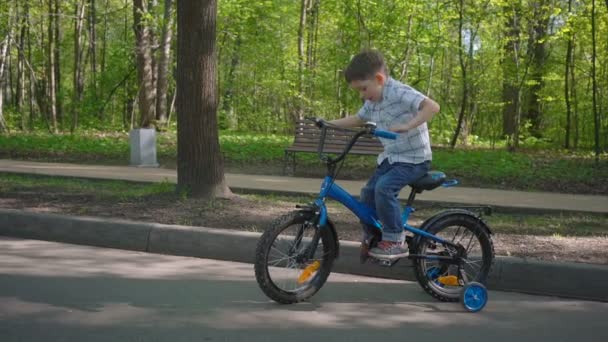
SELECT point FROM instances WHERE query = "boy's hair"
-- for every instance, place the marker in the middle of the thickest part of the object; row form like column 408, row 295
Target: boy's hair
column 365, row 65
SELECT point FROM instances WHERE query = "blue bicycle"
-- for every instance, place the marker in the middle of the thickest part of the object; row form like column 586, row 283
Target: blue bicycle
column 452, row 252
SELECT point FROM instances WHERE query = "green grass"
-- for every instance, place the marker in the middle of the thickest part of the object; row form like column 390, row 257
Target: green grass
column 531, row 169
column 102, row 189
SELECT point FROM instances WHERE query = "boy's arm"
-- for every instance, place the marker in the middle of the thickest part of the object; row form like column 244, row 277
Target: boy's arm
column 349, row 121
column 427, row 109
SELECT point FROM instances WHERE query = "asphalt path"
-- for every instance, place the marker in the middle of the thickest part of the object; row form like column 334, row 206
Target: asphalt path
column 61, row 292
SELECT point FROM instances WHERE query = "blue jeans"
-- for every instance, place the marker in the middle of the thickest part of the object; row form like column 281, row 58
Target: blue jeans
column 381, row 193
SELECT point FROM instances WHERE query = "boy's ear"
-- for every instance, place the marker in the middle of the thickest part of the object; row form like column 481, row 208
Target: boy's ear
column 380, row 78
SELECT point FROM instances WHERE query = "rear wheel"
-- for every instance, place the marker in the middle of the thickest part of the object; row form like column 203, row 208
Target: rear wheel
column 283, row 268
column 445, row 281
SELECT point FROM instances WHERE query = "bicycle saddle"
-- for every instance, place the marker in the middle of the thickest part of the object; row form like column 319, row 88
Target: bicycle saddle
column 430, row 181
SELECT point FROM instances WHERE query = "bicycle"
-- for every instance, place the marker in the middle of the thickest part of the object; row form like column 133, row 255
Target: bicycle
column 294, row 256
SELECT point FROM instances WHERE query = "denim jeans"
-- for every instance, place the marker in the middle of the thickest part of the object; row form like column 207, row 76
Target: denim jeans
column 381, row 193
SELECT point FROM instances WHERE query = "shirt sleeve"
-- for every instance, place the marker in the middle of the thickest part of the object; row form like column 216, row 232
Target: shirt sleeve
column 412, row 99
column 365, row 113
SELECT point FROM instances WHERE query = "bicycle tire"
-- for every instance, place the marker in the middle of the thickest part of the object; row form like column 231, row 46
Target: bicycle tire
column 263, row 270
column 423, row 267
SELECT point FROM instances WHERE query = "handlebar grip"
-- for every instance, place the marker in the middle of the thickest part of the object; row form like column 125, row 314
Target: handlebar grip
column 385, row 134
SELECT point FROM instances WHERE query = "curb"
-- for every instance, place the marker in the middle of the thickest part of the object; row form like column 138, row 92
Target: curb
column 573, row 280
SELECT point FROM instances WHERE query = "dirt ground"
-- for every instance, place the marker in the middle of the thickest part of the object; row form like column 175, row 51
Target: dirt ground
column 254, row 213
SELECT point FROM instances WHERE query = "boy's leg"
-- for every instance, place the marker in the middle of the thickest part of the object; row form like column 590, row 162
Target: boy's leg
column 388, row 206
column 368, row 196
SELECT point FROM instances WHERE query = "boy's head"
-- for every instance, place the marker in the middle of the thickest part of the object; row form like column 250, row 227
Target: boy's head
column 367, row 73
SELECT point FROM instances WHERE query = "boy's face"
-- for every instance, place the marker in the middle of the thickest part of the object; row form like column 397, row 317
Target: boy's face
column 370, row 89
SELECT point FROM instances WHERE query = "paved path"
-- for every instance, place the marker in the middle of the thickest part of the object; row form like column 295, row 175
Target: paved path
column 517, row 200
column 59, row 292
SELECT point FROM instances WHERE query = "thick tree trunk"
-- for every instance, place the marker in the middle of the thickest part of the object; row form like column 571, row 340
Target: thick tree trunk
column 200, row 168
column 163, row 66
column 145, row 70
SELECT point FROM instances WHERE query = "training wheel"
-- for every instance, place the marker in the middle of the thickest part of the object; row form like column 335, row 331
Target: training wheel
column 474, row 296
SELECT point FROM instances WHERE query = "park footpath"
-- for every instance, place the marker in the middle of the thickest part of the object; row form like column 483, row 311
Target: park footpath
column 575, row 280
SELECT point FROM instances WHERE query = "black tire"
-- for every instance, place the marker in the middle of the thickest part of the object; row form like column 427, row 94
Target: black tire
column 480, row 255
column 325, row 254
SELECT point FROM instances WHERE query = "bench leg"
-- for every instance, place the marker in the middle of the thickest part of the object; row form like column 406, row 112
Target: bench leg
column 287, row 160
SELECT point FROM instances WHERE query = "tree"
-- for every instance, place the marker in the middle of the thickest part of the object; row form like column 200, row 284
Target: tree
column 145, row 65
column 163, row 65
column 200, row 168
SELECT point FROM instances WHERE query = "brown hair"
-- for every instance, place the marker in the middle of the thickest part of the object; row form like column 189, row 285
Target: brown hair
column 365, row 65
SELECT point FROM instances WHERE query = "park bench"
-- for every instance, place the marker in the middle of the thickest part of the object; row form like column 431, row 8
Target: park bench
column 306, row 139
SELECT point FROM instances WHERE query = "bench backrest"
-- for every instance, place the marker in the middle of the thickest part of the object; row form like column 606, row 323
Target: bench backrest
column 307, row 136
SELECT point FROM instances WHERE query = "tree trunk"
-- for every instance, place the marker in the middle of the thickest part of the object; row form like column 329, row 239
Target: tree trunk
column 200, row 168
column 21, row 66
column 78, row 77
column 596, row 114
column 163, row 66
column 511, row 91
column 4, row 48
column 145, row 71
column 93, row 43
column 301, row 29
column 51, row 82
column 567, row 83
column 57, row 68
column 465, row 84
column 227, row 106
column 537, row 50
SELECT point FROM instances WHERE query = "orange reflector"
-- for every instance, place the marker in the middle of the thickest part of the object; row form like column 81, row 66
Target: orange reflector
column 448, row 280
column 308, row 271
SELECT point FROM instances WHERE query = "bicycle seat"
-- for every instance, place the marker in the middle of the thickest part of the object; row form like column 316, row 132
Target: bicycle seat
column 430, row 181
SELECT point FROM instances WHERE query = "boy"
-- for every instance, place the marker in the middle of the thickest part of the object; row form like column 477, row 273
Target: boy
column 399, row 108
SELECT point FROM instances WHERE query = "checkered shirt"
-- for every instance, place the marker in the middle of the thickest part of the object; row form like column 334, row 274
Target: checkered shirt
column 400, row 103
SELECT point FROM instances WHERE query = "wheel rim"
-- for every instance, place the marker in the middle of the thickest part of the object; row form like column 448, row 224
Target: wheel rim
column 284, row 263
column 473, row 266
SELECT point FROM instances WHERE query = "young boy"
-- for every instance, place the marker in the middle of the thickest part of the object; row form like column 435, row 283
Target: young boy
column 399, row 108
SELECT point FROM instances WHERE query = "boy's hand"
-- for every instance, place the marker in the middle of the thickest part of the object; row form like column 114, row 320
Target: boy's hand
column 399, row 128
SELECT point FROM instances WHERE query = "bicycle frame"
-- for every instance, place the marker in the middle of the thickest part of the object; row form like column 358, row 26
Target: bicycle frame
column 367, row 215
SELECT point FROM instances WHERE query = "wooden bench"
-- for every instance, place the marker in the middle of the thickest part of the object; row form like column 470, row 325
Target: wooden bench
column 306, row 139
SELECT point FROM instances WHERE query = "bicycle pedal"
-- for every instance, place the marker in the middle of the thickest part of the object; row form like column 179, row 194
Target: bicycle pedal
column 384, row 262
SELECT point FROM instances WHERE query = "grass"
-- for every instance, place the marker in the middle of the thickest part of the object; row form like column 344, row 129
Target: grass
column 531, row 169
column 557, row 225
column 102, row 189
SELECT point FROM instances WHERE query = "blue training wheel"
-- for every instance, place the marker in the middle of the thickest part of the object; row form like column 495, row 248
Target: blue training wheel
column 474, row 296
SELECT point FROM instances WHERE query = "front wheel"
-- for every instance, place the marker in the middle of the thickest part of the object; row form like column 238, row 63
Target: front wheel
column 284, row 268
column 443, row 280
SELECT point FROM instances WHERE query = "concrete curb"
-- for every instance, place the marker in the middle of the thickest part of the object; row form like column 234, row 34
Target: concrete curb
column 572, row 280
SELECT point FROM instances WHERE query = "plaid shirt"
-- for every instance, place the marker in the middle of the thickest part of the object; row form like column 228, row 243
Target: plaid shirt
column 400, row 103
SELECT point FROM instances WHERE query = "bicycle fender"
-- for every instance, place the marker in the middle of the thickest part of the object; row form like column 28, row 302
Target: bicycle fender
column 310, row 214
column 431, row 220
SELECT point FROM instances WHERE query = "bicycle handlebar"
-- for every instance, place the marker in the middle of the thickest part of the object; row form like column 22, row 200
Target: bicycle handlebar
column 370, row 129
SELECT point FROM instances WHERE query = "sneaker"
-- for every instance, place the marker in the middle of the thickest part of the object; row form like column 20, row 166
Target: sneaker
column 363, row 252
column 389, row 250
